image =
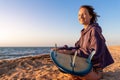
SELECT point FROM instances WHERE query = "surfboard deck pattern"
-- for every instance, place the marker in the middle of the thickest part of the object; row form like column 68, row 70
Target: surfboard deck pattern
column 64, row 62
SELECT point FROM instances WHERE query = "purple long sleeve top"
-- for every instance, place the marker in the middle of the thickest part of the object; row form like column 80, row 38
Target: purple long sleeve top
column 92, row 39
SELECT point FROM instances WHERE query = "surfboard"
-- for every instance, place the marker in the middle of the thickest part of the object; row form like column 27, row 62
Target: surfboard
column 72, row 64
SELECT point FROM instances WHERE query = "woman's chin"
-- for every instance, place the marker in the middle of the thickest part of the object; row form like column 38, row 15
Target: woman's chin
column 82, row 23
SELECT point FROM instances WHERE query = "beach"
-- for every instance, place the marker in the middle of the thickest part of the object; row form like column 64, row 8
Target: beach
column 41, row 67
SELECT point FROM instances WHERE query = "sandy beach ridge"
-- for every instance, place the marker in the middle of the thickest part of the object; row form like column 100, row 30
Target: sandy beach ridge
column 41, row 67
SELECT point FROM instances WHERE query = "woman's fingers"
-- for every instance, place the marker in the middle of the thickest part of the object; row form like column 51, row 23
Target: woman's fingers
column 54, row 49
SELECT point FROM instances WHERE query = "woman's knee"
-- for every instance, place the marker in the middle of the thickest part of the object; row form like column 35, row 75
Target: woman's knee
column 93, row 76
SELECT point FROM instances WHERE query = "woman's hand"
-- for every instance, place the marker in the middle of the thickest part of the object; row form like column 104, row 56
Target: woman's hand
column 64, row 51
column 70, row 52
column 55, row 49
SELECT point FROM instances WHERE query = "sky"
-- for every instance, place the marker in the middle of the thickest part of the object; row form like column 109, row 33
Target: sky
column 50, row 22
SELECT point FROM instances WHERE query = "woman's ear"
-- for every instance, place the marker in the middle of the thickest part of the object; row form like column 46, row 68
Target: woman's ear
column 90, row 17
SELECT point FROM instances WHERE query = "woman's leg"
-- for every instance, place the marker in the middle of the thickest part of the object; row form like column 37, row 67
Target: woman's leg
column 94, row 75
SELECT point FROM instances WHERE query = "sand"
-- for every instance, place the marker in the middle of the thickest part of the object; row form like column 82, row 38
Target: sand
column 41, row 67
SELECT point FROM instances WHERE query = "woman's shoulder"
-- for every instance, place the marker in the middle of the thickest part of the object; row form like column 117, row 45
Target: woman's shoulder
column 96, row 28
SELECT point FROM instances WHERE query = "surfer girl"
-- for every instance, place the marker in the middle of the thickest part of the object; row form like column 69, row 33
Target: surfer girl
column 91, row 39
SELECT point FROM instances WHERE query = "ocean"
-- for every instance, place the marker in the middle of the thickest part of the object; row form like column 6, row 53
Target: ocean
column 17, row 52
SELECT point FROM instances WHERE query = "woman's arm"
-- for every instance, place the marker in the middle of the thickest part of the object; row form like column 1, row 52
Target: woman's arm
column 97, row 43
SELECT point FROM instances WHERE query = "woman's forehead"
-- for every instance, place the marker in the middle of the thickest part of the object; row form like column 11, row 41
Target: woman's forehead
column 83, row 10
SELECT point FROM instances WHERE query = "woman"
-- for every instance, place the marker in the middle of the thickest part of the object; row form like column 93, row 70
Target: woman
column 91, row 39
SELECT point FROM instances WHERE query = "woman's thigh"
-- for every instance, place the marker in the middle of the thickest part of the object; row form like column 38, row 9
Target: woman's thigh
column 93, row 76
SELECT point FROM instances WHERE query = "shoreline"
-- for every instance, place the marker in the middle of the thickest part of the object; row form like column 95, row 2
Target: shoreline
column 25, row 56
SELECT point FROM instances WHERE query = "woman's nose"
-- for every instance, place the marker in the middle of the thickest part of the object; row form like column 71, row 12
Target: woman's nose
column 81, row 16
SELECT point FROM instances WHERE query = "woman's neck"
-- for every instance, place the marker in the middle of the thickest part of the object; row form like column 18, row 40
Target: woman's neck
column 85, row 26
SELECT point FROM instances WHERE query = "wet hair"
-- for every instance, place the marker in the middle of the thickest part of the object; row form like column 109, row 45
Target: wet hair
column 91, row 12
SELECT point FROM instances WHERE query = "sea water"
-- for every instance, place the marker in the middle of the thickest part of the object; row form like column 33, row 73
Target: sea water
column 17, row 52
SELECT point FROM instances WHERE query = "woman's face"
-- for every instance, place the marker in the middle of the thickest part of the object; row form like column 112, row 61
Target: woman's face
column 84, row 16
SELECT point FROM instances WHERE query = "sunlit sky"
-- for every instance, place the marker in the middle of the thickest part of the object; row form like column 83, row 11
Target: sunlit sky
column 46, row 22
